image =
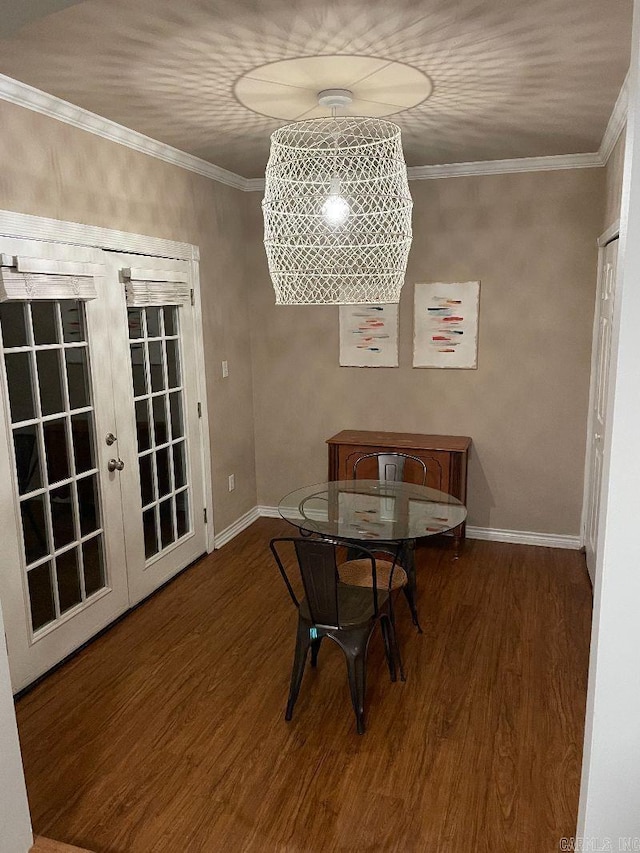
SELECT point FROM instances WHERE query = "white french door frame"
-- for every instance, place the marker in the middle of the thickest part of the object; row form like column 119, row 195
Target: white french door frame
column 93, row 611
column 129, row 576
column 19, row 225
column 611, row 233
column 147, row 572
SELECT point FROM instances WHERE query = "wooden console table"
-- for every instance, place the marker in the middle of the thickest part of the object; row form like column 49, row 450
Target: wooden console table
column 445, row 456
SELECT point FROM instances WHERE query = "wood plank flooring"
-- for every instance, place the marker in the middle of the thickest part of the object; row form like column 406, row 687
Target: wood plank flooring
column 167, row 733
column 46, row 845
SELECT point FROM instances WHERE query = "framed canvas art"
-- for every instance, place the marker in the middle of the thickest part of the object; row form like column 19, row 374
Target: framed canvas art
column 445, row 324
column 369, row 335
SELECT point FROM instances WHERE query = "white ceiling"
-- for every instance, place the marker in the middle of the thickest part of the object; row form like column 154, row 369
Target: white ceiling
column 511, row 78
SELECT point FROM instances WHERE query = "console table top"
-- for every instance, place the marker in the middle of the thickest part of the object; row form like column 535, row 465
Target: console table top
column 455, row 443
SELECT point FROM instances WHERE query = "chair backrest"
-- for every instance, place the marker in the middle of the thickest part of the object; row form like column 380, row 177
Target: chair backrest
column 318, row 570
column 391, row 466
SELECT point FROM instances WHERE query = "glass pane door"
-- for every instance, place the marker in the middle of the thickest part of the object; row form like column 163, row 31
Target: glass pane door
column 101, row 473
column 159, row 437
column 156, row 370
column 62, row 561
column 47, row 364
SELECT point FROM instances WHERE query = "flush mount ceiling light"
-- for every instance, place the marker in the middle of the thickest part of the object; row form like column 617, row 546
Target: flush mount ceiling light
column 337, row 209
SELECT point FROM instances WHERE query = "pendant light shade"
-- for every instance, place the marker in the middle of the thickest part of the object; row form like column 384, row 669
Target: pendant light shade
column 337, row 212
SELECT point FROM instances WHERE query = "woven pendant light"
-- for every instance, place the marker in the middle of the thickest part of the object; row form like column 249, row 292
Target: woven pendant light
column 337, row 210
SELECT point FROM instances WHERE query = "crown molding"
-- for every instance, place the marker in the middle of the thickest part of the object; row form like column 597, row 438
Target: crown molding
column 484, row 167
column 253, row 185
column 41, row 102
column 617, row 121
column 502, row 167
column 49, row 105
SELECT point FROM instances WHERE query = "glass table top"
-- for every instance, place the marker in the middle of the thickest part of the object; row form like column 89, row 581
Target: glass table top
column 372, row 510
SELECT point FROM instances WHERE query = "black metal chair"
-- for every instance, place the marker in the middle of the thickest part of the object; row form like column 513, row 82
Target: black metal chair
column 390, row 573
column 391, row 466
column 345, row 614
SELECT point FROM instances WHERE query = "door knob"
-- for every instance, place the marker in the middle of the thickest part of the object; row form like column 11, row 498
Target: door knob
column 115, row 465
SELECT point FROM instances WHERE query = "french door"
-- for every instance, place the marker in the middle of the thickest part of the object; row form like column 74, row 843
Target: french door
column 157, row 418
column 101, row 478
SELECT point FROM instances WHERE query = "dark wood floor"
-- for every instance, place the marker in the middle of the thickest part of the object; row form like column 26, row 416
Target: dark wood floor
column 167, row 733
column 46, row 845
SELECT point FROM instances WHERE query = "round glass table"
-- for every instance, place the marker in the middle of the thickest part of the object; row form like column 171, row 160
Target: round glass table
column 388, row 514
column 371, row 511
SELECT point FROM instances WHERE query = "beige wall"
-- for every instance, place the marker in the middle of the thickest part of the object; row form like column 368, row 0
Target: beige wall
column 54, row 170
column 613, row 183
column 530, row 238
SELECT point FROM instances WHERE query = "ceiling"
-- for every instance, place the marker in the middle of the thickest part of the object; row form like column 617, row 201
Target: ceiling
column 506, row 78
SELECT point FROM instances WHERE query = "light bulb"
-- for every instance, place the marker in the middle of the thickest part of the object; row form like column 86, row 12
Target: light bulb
column 335, row 209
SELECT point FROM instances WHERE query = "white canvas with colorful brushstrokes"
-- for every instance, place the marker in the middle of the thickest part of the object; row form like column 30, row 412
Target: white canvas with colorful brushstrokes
column 368, row 335
column 445, row 324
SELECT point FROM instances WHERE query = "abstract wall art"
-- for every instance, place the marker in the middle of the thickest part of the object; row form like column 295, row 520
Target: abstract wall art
column 445, row 324
column 369, row 335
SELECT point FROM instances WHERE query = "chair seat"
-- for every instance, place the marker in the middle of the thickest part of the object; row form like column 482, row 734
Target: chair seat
column 355, row 604
column 358, row 573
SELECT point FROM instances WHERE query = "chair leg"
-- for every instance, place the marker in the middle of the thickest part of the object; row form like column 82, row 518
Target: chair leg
column 299, row 660
column 394, row 640
column 315, row 648
column 408, row 593
column 408, row 562
column 389, row 653
column 356, row 668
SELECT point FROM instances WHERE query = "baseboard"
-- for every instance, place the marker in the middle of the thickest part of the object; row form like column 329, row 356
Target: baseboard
column 238, row 526
column 516, row 537
column 268, row 512
column 526, row 537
